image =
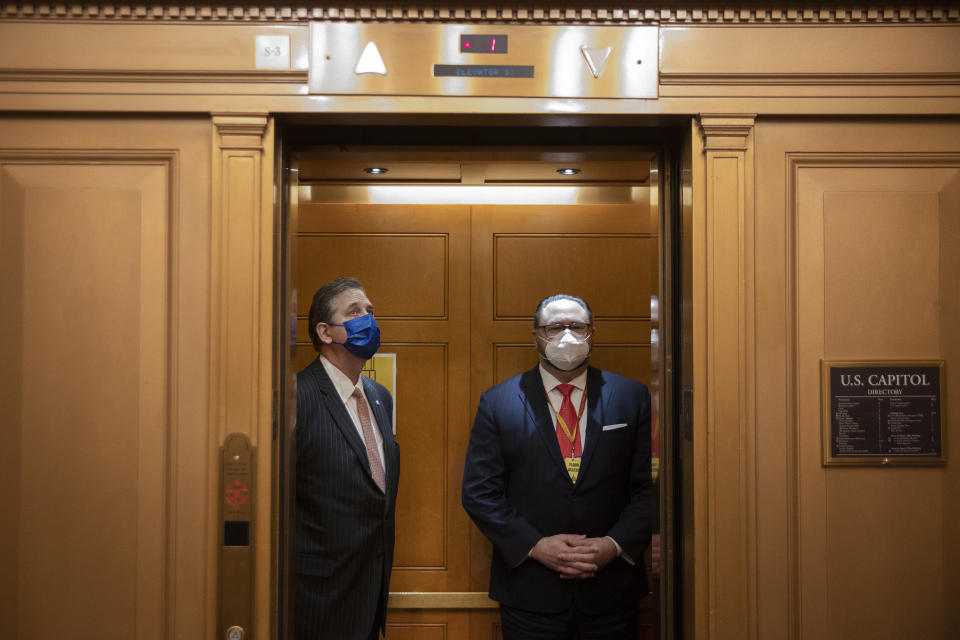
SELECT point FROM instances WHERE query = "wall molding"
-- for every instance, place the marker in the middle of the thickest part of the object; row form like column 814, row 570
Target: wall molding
column 241, row 308
column 727, row 522
column 236, row 278
column 811, row 79
column 796, row 162
column 706, row 14
column 273, row 76
column 440, row 600
column 158, row 458
column 726, row 132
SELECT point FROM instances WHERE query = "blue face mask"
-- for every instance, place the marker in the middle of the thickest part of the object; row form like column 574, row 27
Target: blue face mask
column 363, row 336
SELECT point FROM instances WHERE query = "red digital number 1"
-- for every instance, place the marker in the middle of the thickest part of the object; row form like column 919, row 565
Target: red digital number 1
column 493, row 45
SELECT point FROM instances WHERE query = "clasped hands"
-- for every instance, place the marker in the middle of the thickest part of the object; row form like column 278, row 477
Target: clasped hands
column 574, row 556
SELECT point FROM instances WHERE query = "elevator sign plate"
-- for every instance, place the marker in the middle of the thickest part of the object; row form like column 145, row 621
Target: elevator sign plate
column 483, row 70
column 485, row 61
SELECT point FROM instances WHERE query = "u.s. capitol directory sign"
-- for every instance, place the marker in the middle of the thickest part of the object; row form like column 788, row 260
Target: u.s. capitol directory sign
column 882, row 412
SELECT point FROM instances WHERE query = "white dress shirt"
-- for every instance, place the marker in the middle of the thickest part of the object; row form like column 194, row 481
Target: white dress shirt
column 345, row 388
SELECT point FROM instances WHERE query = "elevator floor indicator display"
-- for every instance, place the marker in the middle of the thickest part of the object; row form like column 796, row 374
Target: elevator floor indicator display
column 536, row 61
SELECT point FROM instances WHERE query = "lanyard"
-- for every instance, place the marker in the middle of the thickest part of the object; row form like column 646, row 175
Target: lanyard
column 572, row 435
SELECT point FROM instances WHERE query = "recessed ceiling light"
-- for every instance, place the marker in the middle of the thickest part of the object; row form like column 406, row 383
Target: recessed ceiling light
column 376, row 171
column 569, row 171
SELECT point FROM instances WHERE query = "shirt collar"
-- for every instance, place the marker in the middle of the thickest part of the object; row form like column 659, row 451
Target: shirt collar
column 341, row 382
column 549, row 381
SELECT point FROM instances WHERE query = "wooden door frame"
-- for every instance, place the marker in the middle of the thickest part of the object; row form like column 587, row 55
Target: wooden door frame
column 282, row 339
column 241, row 329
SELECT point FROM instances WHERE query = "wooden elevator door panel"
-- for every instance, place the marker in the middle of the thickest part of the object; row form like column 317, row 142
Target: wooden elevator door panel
column 607, row 254
column 454, row 288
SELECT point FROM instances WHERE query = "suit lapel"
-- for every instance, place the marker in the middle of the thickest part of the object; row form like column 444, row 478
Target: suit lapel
column 597, row 399
column 341, row 418
column 537, row 407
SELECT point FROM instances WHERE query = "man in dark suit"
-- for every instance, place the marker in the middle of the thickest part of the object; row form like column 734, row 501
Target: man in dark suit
column 557, row 476
column 347, row 471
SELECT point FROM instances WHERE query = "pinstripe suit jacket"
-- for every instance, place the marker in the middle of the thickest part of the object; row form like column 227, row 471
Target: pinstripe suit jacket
column 345, row 524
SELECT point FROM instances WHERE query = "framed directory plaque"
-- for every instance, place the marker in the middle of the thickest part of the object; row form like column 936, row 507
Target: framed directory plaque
column 882, row 412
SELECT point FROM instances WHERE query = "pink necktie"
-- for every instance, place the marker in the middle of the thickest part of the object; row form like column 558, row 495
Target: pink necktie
column 376, row 468
column 569, row 417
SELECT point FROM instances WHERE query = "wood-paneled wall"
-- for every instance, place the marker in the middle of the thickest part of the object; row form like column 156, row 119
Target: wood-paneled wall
column 857, row 244
column 104, row 246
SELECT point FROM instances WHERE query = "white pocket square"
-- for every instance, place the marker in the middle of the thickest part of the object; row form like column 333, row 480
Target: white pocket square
column 611, row 427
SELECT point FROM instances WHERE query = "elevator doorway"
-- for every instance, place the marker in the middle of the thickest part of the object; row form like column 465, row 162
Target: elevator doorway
column 456, row 241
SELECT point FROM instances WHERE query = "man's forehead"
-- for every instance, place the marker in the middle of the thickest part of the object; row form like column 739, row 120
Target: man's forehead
column 563, row 309
column 351, row 296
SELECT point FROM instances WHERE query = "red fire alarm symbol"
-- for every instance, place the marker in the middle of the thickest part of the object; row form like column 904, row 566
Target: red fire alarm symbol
column 237, row 493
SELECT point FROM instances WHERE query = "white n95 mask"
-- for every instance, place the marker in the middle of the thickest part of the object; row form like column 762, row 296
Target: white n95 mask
column 566, row 351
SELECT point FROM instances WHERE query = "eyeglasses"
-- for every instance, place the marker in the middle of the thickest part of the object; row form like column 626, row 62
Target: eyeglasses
column 576, row 328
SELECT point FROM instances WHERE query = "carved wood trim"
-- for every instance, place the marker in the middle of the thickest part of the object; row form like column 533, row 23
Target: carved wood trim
column 158, row 456
column 726, row 132
column 730, row 442
column 795, row 79
column 440, row 600
column 240, row 131
column 796, row 162
column 241, row 296
column 292, row 76
column 707, row 13
column 237, row 245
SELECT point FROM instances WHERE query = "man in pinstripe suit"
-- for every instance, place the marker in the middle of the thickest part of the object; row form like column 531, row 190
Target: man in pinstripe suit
column 347, row 471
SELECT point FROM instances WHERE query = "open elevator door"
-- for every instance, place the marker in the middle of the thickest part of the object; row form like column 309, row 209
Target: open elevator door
column 455, row 246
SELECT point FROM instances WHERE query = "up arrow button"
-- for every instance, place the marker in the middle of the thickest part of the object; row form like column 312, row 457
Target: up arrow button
column 596, row 58
column 370, row 61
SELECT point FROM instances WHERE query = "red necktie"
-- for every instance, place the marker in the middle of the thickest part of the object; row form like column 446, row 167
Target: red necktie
column 373, row 456
column 569, row 417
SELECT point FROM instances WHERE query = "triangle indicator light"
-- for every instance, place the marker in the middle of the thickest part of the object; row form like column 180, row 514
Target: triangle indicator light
column 596, row 58
column 370, row 61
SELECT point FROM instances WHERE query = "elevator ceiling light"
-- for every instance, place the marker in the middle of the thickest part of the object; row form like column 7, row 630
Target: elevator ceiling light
column 569, row 171
column 376, row 171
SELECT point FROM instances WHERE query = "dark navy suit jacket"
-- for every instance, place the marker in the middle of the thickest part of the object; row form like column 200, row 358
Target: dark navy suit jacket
column 345, row 524
column 517, row 490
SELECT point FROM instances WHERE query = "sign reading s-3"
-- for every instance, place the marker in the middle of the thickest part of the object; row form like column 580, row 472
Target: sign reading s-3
column 272, row 52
